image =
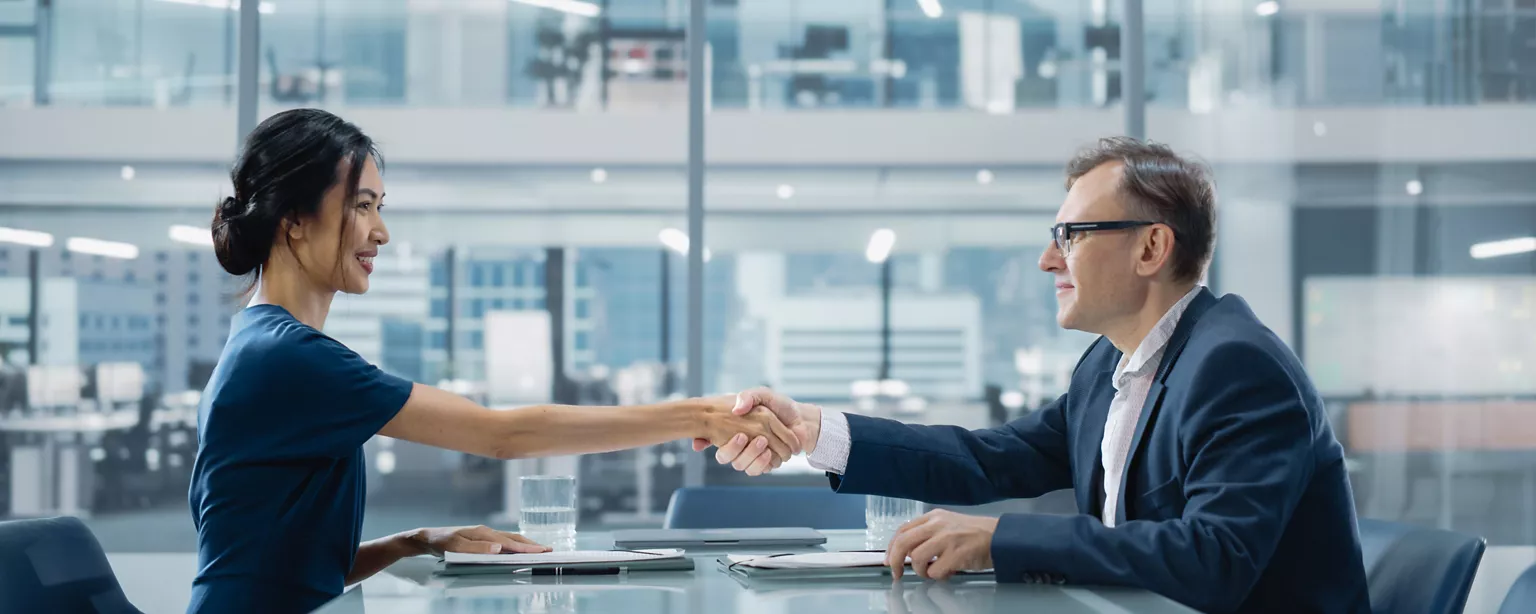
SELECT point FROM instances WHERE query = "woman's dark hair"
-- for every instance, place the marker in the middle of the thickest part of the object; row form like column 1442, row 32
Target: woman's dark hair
column 289, row 162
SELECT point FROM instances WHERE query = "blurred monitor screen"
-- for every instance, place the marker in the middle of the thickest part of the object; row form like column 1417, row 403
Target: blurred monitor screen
column 119, row 382
column 518, row 365
column 53, row 386
column 1421, row 336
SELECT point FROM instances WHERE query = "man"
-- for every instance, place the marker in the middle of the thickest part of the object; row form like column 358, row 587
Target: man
column 1203, row 462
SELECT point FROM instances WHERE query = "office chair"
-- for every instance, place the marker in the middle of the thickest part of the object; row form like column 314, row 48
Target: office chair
column 56, row 565
column 1414, row 570
column 747, row 507
column 1522, row 596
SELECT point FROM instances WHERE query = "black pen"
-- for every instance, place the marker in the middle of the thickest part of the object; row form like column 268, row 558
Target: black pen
column 571, row 571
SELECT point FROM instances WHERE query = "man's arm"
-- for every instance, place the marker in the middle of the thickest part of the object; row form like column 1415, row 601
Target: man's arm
column 938, row 464
column 1043, row 432
column 1250, row 462
column 950, row 465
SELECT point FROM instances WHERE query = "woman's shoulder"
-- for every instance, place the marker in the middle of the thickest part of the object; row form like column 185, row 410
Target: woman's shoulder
column 269, row 337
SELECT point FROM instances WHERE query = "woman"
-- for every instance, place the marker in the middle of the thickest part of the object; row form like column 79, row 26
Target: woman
column 277, row 488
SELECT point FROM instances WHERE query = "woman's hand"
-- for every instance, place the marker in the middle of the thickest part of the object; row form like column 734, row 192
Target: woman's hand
column 472, row 540
column 759, row 426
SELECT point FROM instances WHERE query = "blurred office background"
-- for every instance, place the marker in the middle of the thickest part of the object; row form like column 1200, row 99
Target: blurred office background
column 1375, row 163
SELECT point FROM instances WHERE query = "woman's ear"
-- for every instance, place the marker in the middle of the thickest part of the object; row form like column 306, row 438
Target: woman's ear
column 293, row 228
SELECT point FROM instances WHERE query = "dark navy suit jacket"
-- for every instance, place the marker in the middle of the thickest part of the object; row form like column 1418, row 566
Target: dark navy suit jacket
column 1235, row 497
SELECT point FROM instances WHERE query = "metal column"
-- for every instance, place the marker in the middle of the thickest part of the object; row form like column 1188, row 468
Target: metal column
column 35, row 303
column 693, row 474
column 885, row 319
column 1133, row 69
column 42, row 53
column 554, row 303
column 666, row 323
column 451, row 281
column 248, row 56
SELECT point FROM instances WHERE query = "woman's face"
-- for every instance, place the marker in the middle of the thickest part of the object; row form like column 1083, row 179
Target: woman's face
column 336, row 247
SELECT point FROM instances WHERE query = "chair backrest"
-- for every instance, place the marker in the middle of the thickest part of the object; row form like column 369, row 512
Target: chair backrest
column 1522, row 596
column 745, row 507
column 56, row 565
column 1416, row 570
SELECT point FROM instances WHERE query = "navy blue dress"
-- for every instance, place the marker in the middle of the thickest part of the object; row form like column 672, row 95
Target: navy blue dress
column 277, row 489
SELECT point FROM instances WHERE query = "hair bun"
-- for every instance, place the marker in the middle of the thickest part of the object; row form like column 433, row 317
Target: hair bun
column 229, row 208
column 236, row 253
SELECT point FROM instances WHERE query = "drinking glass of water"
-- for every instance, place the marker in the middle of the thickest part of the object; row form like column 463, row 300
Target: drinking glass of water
column 548, row 514
column 883, row 516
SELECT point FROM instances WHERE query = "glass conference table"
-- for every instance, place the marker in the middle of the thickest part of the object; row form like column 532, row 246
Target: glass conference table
column 409, row 587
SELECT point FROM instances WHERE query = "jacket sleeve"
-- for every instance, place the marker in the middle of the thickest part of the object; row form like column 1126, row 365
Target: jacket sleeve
column 953, row 466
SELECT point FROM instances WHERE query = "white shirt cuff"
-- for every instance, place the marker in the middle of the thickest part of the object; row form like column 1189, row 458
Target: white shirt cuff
column 833, row 444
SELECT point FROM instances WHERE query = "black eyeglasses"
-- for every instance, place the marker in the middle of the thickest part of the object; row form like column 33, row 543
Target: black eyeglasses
column 1061, row 234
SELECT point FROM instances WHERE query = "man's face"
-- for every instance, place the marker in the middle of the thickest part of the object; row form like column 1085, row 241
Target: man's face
column 1096, row 280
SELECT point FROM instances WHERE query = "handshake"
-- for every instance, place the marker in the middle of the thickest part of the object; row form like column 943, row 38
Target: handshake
column 757, row 430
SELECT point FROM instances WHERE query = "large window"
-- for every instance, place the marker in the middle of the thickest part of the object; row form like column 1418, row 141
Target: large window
column 1396, row 265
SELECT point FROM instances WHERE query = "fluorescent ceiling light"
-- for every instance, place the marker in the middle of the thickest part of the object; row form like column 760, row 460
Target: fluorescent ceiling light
column 599, row 175
column 573, row 7
column 192, row 235
column 931, row 8
column 1414, row 187
column 127, row 173
column 677, row 241
column 31, row 238
column 1507, row 247
column 984, row 177
column 880, row 245
column 265, row 8
column 1265, row 9
column 98, row 247
column 785, row 191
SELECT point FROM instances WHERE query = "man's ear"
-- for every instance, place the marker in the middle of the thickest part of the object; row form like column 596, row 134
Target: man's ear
column 1155, row 252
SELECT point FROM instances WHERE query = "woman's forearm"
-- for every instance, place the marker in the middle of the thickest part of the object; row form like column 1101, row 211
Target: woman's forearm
column 445, row 420
column 374, row 555
column 442, row 419
column 553, row 430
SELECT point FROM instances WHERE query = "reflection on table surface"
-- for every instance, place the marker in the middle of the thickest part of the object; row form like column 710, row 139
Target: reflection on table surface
column 409, row 586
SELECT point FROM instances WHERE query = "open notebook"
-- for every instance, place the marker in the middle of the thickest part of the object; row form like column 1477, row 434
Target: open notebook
column 812, row 560
column 562, row 558
column 814, row 565
column 609, row 561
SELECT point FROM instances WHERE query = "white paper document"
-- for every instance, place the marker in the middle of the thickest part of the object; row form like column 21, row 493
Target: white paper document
column 815, row 560
column 563, row 558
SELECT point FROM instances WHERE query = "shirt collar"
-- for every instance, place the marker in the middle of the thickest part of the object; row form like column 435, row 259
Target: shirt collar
column 1151, row 349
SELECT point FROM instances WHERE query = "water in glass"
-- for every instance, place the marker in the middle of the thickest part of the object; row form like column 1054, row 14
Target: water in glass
column 548, row 513
column 884, row 515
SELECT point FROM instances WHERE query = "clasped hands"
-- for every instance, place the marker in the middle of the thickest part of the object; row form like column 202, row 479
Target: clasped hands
column 939, row 543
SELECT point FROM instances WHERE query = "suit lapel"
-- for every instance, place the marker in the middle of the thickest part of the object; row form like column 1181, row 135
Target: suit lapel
column 1197, row 308
column 1148, row 409
column 1089, row 454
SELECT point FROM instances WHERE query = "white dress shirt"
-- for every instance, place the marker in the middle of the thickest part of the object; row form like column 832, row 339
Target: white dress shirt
column 1132, row 380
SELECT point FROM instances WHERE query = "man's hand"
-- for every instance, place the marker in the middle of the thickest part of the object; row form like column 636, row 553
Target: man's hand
column 941, row 543
column 474, row 540
column 803, row 419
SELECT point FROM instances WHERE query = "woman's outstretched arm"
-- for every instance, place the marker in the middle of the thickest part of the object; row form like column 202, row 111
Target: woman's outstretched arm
column 442, row 419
